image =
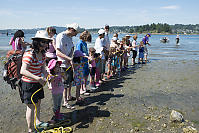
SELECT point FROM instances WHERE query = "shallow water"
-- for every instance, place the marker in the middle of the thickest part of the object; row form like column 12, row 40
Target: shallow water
column 188, row 48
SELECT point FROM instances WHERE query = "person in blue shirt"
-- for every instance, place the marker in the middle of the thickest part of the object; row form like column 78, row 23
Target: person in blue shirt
column 146, row 42
column 82, row 46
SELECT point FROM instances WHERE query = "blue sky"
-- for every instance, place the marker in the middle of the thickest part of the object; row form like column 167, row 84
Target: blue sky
column 95, row 14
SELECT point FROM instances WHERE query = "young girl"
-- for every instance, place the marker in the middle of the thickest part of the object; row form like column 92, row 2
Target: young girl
column 78, row 74
column 110, row 60
column 97, row 72
column 56, row 86
column 92, row 66
column 141, row 52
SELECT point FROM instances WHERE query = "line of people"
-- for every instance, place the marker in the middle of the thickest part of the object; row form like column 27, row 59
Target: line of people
column 57, row 61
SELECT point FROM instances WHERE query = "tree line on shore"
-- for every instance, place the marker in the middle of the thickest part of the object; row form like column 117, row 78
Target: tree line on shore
column 152, row 28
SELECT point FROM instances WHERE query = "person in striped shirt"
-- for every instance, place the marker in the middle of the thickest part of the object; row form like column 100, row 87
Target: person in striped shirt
column 33, row 77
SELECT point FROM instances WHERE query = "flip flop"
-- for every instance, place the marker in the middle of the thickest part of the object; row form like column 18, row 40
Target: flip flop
column 42, row 125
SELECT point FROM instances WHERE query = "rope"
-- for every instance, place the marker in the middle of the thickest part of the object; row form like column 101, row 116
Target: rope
column 55, row 130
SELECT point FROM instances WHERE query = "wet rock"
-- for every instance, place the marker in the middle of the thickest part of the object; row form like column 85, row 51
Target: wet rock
column 176, row 116
column 189, row 129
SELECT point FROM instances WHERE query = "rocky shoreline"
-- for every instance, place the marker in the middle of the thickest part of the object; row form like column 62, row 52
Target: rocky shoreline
column 141, row 100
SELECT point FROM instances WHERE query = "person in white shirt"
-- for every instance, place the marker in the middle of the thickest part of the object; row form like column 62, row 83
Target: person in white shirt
column 64, row 52
column 134, row 49
column 100, row 48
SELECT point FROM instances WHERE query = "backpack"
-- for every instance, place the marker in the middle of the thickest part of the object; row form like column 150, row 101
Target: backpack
column 12, row 67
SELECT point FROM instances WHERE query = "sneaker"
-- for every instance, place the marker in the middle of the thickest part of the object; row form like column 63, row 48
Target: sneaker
column 68, row 106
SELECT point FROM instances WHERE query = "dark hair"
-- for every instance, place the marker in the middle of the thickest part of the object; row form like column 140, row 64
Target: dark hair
column 96, row 55
column 76, row 60
column 36, row 44
column 18, row 33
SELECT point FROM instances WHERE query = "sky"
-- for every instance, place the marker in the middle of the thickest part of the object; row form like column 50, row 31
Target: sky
column 26, row 14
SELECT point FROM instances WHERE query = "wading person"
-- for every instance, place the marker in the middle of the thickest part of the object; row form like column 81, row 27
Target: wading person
column 146, row 42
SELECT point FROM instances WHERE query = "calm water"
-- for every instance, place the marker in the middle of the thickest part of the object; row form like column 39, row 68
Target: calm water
column 187, row 50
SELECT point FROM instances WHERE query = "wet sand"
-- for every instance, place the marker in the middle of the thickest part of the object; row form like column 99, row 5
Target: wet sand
column 140, row 100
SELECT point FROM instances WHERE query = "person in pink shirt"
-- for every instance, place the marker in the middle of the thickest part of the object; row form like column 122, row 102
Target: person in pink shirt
column 56, row 86
column 51, row 51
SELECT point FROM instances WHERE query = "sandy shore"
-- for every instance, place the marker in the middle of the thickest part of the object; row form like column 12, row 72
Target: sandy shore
column 140, row 100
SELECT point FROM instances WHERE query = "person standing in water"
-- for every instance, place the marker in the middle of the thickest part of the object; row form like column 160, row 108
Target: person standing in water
column 146, row 41
column 177, row 39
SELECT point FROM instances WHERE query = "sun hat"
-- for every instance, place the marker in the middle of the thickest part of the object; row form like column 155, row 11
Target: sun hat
column 101, row 31
column 42, row 34
column 78, row 53
column 114, row 38
column 74, row 26
column 148, row 34
column 127, row 35
column 52, row 63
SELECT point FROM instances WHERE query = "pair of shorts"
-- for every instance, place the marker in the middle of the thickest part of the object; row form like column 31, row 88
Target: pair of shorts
column 92, row 71
column 28, row 89
column 69, row 76
column 134, row 54
column 141, row 55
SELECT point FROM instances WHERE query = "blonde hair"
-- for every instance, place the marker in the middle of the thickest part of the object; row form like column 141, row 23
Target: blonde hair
column 86, row 36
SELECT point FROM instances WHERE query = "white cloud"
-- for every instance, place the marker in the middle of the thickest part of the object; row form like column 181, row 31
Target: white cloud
column 172, row 7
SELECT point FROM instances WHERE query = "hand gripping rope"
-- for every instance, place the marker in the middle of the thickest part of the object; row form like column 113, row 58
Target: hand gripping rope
column 55, row 130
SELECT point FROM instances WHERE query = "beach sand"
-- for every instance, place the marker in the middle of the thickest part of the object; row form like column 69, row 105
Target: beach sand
column 140, row 100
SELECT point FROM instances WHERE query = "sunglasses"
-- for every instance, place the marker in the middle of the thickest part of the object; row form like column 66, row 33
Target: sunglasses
column 44, row 42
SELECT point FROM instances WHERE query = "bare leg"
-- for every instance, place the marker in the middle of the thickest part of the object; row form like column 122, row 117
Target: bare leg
column 30, row 117
column 65, row 96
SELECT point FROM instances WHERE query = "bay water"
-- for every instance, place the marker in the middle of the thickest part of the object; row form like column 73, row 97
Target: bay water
column 187, row 50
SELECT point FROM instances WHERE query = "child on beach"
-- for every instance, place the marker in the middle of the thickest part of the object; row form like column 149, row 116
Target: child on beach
column 110, row 60
column 141, row 52
column 56, row 86
column 92, row 66
column 78, row 75
column 97, row 71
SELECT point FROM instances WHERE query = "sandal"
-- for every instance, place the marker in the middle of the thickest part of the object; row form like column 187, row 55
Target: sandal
column 68, row 106
column 42, row 125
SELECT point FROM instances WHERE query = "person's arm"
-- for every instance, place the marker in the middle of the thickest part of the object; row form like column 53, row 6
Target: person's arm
column 62, row 55
column 11, row 40
column 25, row 71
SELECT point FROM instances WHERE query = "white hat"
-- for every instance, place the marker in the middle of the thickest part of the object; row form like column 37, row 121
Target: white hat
column 101, row 31
column 41, row 34
column 128, row 35
column 114, row 38
column 74, row 26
